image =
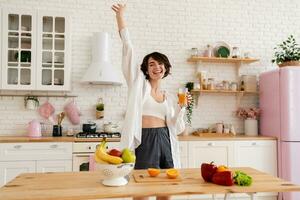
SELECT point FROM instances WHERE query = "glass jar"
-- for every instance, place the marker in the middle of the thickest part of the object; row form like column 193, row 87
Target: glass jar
column 194, row 52
column 233, row 86
column 211, row 84
column 235, row 52
column 225, row 85
column 208, row 51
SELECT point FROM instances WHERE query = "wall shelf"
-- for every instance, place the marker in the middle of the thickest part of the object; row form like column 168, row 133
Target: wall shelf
column 197, row 91
column 221, row 60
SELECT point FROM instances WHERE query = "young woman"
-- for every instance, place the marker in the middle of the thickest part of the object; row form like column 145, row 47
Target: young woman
column 153, row 118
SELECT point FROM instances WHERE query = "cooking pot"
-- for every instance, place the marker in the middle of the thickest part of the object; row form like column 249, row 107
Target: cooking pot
column 110, row 127
column 89, row 127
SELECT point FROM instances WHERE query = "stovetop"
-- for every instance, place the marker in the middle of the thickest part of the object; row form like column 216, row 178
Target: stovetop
column 98, row 135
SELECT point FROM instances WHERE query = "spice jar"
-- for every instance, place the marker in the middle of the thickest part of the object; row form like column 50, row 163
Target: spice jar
column 235, row 52
column 208, row 51
column 194, row 52
column 210, row 84
column 233, row 86
column 225, row 85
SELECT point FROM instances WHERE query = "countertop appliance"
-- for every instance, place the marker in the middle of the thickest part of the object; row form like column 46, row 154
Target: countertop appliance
column 280, row 114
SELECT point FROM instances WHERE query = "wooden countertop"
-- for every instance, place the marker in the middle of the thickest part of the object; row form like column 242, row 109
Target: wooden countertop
column 202, row 137
column 87, row 185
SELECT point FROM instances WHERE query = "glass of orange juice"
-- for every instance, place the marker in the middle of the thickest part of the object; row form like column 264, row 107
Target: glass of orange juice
column 182, row 96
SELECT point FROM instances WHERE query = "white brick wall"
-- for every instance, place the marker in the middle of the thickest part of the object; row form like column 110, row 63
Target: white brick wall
column 172, row 27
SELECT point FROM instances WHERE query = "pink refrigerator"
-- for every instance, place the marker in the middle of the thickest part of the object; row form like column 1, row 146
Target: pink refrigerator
column 280, row 116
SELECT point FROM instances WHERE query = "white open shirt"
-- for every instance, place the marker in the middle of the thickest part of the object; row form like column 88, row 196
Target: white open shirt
column 138, row 90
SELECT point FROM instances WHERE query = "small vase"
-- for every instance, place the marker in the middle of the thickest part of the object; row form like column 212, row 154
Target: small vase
column 251, row 127
column 99, row 114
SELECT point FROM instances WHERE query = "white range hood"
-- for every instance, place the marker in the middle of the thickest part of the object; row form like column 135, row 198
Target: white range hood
column 101, row 71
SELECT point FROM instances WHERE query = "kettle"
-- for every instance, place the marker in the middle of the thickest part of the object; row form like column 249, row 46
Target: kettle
column 34, row 129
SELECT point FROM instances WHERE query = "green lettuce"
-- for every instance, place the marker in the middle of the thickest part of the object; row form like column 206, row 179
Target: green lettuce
column 242, row 179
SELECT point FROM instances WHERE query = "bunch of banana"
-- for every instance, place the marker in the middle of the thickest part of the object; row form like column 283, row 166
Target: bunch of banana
column 102, row 157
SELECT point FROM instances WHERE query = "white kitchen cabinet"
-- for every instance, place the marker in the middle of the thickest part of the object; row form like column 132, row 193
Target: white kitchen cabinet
column 53, row 51
column 9, row 170
column 221, row 152
column 260, row 155
column 17, row 158
column 18, row 49
column 54, row 166
column 183, row 148
column 35, row 50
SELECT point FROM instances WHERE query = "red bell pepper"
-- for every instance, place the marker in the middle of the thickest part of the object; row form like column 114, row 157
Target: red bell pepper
column 208, row 170
column 223, row 178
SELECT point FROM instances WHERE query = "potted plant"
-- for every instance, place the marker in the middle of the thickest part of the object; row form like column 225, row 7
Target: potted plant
column 287, row 53
column 100, row 109
column 250, row 115
column 190, row 106
column 31, row 102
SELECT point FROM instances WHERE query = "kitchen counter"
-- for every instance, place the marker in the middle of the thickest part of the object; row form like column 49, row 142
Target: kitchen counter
column 87, row 185
column 202, row 137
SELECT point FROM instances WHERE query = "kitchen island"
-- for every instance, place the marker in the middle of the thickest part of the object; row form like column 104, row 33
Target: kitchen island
column 87, row 185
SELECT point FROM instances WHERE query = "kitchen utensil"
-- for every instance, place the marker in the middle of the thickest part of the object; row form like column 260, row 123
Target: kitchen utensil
column 110, row 127
column 34, row 129
column 57, row 131
column 60, row 118
column 142, row 176
column 72, row 112
column 114, row 175
column 89, row 127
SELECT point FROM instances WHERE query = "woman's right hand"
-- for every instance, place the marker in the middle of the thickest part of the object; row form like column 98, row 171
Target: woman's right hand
column 119, row 9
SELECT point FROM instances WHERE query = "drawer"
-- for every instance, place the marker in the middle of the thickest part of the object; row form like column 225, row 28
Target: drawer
column 36, row 151
column 90, row 147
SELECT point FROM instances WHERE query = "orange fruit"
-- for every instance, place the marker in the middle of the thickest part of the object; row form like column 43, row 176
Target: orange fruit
column 222, row 168
column 153, row 172
column 172, row 173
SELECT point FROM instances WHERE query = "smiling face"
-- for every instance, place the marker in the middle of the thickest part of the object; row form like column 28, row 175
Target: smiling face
column 156, row 70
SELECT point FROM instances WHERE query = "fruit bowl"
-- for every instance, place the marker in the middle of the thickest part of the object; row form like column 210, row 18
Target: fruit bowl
column 114, row 175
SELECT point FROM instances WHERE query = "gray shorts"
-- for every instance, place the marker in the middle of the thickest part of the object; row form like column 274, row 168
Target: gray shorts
column 155, row 149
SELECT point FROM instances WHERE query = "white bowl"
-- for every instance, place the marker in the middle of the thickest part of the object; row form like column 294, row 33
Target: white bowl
column 114, row 175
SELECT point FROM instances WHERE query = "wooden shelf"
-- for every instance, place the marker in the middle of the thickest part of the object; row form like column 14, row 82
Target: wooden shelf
column 221, row 60
column 197, row 91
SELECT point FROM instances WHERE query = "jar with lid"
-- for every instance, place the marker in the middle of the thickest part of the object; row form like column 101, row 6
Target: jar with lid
column 225, row 85
column 194, row 52
column 235, row 52
column 208, row 51
column 233, row 86
column 211, row 84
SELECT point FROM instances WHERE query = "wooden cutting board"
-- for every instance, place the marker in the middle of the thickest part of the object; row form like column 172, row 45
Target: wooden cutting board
column 142, row 176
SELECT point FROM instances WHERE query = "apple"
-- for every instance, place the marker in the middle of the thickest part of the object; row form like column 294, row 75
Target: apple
column 115, row 152
column 128, row 156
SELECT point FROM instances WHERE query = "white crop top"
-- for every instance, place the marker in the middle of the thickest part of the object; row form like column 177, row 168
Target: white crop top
column 153, row 108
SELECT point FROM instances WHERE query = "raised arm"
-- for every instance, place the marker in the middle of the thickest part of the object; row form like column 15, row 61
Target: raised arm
column 129, row 68
column 119, row 10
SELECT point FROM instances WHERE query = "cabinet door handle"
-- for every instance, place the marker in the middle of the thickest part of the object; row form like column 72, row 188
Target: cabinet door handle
column 53, row 146
column 17, row 146
column 253, row 143
column 210, row 144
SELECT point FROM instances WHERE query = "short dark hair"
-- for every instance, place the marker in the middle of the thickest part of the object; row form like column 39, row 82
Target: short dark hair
column 159, row 57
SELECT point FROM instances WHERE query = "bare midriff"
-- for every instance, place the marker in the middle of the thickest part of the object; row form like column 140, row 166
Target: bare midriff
column 152, row 122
